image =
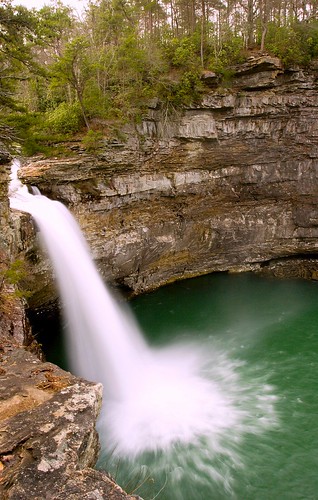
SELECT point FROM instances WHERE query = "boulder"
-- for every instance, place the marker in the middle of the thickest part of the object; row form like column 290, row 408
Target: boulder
column 48, row 441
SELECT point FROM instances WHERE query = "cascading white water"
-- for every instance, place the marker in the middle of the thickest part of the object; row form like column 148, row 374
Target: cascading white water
column 80, row 284
column 154, row 399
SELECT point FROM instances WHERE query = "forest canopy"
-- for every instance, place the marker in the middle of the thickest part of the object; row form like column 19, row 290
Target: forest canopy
column 61, row 74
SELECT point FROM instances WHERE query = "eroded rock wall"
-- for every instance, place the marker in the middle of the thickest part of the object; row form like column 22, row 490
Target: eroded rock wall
column 228, row 184
column 13, row 323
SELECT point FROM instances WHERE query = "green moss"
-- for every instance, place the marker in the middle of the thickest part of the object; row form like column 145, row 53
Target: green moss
column 14, row 275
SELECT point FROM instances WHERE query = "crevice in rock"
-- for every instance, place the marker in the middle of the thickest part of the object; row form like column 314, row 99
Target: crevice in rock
column 304, row 266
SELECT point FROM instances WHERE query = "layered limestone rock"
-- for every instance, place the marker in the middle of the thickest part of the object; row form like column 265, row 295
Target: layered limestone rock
column 228, row 184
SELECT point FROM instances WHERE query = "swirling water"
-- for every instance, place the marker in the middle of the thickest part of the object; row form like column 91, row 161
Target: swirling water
column 267, row 330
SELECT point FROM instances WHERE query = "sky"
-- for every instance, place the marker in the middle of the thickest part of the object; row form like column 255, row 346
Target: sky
column 77, row 5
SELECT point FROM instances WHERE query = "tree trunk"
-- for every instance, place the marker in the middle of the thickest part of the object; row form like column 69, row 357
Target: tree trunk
column 202, row 32
column 250, row 24
column 263, row 38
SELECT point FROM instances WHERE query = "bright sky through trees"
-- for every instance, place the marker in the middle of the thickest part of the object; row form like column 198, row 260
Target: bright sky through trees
column 77, row 5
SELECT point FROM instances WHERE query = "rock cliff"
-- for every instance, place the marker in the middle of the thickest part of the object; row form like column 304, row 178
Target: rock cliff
column 230, row 184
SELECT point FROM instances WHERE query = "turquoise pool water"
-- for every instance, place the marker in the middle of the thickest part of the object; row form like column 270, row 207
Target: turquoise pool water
column 268, row 329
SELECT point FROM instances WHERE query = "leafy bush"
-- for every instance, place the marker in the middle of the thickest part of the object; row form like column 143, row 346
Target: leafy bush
column 33, row 146
column 66, row 118
column 284, row 42
column 230, row 53
column 180, row 91
column 295, row 44
column 188, row 89
column 33, row 136
column 183, row 52
column 96, row 102
column 92, row 140
column 26, row 126
column 308, row 36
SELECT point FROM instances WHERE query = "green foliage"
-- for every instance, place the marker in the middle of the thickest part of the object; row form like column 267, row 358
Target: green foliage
column 284, row 42
column 54, row 23
column 66, row 118
column 32, row 134
column 183, row 52
column 17, row 37
column 73, row 66
column 14, row 275
column 59, row 73
column 92, row 140
column 293, row 44
column 97, row 103
column 180, row 84
column 39, row 97
column 231, row 53
column 182, row 90
column 308, row 35
column 25, row 126
column 187, row 90
column 17, row 26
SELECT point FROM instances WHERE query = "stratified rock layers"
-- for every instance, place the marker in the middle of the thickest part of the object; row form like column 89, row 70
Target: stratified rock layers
column 228, row 184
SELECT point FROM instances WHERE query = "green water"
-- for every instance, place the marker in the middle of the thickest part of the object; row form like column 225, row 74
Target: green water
column 271, row 327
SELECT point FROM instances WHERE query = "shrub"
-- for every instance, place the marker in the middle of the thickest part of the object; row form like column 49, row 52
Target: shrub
column 308, row 36
column 187, row 90
column 97, row 103
column 295, row 44
column 92, row 140
column 230, row 53
column 66, row 118
column 183, row 52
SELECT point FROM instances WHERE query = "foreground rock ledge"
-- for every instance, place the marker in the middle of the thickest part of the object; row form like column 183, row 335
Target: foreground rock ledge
column 48, row 441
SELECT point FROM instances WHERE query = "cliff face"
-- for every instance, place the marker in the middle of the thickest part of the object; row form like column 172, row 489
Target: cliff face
column 48, row 441
column 12, row 316
column 228, row 184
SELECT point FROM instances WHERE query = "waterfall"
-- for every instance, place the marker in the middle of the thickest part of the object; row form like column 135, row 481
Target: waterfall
column 155, row 399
